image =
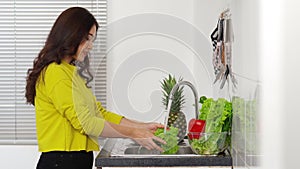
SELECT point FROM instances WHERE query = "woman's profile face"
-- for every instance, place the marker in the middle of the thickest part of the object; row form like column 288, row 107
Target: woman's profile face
column 86, row 45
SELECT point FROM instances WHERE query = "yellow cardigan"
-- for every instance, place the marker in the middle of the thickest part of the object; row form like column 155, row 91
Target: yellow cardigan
column 68, row 117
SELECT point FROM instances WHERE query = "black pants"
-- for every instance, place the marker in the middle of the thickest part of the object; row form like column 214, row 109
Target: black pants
column 66, row 160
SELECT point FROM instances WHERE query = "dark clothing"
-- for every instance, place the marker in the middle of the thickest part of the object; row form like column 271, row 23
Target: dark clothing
column 66, row 160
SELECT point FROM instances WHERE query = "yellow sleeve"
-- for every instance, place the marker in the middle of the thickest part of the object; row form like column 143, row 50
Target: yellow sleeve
column 109, row 116
column 81, row 119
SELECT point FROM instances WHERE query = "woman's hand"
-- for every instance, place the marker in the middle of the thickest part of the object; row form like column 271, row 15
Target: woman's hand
column 152, row 126
column 145, row 138
column 143, row 133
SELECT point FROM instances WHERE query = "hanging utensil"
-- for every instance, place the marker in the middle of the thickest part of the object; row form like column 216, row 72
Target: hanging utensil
column 222, row 39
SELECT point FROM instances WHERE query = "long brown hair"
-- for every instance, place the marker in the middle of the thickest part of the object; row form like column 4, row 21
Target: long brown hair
column 69, row 30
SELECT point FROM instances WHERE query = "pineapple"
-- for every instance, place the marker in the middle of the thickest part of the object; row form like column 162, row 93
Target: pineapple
column 176, row 116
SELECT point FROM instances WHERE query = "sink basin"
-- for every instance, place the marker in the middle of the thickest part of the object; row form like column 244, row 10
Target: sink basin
column 130, row 154
column 143, row 151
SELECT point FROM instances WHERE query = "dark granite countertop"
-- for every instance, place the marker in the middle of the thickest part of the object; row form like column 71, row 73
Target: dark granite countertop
column 163, row 161
column 155, row 160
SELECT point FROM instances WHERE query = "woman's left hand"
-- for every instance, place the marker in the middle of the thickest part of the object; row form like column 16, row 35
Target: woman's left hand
column 152, row 126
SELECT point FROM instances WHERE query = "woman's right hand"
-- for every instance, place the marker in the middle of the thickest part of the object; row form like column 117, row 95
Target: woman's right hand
column 145, row 138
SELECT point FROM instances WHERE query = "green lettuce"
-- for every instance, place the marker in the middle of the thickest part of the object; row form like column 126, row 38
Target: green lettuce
column 170, row 137
column 218, row 117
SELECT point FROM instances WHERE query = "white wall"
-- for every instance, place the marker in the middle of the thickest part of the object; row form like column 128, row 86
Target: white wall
column 289, row 99
column 136, row 30
column 149, row 39
column 280, row 110
column 20, row 156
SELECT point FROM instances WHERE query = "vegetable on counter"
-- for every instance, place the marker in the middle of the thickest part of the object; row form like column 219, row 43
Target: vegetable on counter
column 171, row 139
column 217, row 114
column 196, row 126
column 202, row 99
column 176, row 117
column 218, row 118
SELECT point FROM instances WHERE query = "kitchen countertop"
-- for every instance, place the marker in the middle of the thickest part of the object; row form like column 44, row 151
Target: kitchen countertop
column 117, row 158
column 163, row 161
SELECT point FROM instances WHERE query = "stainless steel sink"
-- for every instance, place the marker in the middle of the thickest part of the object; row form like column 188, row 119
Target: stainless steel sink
column 130, row 154
column 143, row 151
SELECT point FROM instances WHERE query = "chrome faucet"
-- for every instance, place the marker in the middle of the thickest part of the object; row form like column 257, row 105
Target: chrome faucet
column 175, row 88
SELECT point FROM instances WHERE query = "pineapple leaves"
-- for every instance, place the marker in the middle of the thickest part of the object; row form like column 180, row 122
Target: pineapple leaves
column 178, row 99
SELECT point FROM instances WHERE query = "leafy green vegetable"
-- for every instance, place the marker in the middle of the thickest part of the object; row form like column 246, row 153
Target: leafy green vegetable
column 218, row 117
column 217, row 114
column 210, row 143
column 202, row 99
column 204, row 111
column 170, row 137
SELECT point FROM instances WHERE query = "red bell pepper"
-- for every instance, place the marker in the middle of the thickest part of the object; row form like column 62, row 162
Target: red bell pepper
column 196, row 127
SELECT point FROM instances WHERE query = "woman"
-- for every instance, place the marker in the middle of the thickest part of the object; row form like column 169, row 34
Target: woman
column 68, row 117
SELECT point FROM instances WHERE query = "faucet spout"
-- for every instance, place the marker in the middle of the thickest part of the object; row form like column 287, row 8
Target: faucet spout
column 174, row 89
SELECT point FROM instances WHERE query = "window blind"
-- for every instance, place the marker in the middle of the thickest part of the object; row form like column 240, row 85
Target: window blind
column 24, row 27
